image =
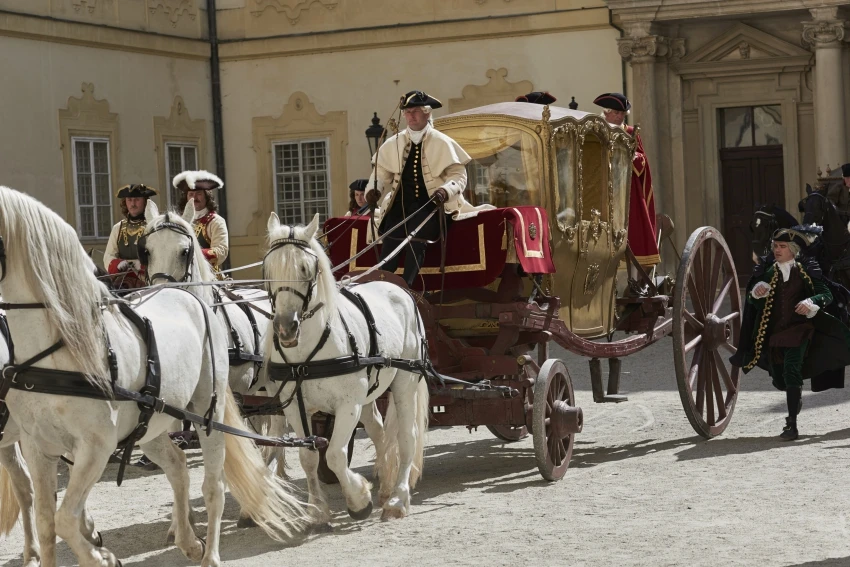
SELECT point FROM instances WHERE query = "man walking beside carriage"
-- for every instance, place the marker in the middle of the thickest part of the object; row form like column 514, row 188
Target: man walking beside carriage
column 785, row 329
column 121, row 258
column 416, row 171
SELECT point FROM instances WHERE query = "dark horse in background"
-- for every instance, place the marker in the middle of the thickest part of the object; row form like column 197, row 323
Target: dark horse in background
column 833, row 252
column 766, row 220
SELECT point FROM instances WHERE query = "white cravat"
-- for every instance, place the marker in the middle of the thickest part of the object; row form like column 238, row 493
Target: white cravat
column 201, row 213
column 416, row 136
column 785, row 268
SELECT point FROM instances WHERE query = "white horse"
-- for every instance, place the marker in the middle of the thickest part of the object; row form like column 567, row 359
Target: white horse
column 307, row 307
column 172, row 253
column 77, row 311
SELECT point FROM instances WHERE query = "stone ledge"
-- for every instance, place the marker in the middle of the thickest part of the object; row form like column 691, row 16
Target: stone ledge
column 101, row 37
column 665, row 10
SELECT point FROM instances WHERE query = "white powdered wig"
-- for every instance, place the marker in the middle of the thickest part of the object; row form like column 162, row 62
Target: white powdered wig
column 46, row 250
column 191, row 177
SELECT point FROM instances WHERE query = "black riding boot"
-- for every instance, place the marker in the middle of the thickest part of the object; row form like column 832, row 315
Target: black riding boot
column 414, row 256
column 794, row 397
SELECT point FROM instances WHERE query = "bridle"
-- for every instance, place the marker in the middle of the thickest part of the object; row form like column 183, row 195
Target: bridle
column 144, row 254
column 304, row 314
column 2, row 258
column 772, row 225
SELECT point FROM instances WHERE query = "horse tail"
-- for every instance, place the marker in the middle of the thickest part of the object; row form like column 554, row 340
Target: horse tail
column 266, row 498
column 423, row 406
column 9, row 508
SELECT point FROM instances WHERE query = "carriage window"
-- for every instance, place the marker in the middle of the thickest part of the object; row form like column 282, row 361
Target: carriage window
column 478, row 182
column 302, row 181
column 594, row 181
column 746, row 126
column 622, row 173
column 567, row 189
column 500, row 179
column 178, row 158
column 92, row 187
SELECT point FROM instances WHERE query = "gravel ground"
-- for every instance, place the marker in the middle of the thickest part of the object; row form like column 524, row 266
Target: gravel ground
column 642, row 489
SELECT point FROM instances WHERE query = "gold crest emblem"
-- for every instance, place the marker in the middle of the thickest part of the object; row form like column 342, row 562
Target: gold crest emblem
column 532, row 230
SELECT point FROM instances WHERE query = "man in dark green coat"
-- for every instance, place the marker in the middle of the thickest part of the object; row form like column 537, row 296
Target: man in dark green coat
column 791, row 336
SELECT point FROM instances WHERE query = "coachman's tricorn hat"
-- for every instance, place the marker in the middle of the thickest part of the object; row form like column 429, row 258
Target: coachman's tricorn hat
column 197, row 181
column 359, row 185
column 845, row 170
column 802, row 236
column 419, row 98
column 137, row 190
column 613, row 101
column 537, row 97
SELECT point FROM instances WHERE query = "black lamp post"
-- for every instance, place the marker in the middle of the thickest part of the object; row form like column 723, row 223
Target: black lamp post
column 374, row 134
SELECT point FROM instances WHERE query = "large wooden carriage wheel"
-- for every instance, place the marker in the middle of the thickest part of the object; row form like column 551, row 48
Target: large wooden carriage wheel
column 555, row 419
column 706, row 326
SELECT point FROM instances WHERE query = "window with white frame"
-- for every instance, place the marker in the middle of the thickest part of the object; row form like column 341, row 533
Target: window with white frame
column 178, row 158
column 301, row 180
column 92, row 187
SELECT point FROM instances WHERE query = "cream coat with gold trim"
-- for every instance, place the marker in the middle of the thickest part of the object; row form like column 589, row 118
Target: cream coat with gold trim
column 443, row 165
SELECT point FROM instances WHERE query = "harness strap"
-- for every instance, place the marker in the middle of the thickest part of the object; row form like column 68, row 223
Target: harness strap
column 9, row 306
column 361, row 304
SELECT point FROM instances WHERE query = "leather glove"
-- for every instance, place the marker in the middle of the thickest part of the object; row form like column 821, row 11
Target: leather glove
column 441, row 195
column 372, row 197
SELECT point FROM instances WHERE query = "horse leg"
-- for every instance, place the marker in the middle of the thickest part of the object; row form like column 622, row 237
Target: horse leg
column 89, row 464
column 173, row 463
column 373, row 423
column 357, row 490
column 408, row 432
column 213, row 488
column 318, row 509
column 86, row 521
column 12, row 460
column 43, row 471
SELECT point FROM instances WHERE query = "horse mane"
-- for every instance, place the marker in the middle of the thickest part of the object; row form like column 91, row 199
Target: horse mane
column 56, row 268
column 285, row 270
column 205, row 271
column 784, row 218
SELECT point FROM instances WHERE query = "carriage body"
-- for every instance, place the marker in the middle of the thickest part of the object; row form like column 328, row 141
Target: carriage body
column 576, row 166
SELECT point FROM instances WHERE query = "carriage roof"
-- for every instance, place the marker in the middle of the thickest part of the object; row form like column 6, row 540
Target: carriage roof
column 522, row 110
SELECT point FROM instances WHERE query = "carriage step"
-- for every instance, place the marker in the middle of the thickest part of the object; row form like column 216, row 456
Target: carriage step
column 612, row 398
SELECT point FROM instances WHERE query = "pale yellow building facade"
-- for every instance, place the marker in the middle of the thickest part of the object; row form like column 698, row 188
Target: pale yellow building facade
column 101, row 93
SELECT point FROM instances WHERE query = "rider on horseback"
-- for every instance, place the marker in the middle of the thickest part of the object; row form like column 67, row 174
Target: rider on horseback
column 121, row 257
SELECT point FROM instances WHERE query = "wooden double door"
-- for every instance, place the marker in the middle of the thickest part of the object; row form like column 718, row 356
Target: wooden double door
column 751, row 177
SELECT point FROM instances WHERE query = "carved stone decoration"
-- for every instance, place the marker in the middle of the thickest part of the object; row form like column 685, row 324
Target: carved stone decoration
column 648, row 47
column 173, row 9
column 498, row 89
column 744, row 50
column 178, row 127
column 591, row 279
column 823, row 33
column 292, row 9
column 90, row 5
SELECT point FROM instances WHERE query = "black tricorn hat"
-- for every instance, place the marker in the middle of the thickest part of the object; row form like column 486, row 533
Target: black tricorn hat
column 845, row 170
column 800, row 235
column 613, row 101
column 137, row 190
column 359, row 185
column 419, row 98
column 197, row 180
column 537, row 97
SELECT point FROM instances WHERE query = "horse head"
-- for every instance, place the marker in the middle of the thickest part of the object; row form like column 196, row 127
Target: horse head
column 816, row 207
column 766, row 220
column 299, row 278
column 168, row 248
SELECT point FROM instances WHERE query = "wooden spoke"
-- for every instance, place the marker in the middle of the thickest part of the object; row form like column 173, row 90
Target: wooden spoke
column 692, row 374
column 696, row 299
column 718, row 393
column 694, row 342
column 709, row 398
column 724, row 291
column 700, row 389
column 692, row 320
column 714, row 275
column 731, row 316
column 731, row 348
column 724, row 373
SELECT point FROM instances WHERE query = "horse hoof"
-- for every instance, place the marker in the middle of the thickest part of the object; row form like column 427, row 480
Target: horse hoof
column 246, row 522
column 362, row 514
column 203, row 546
column 324, row 528
column 98, row 542
column 392, row 514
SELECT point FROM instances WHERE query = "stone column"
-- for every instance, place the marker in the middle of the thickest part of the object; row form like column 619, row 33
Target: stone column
column 824, row 34
column 643, row 50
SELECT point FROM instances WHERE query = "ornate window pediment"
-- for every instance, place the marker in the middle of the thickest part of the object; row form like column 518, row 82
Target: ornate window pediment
column 743, row 49
column 497, row 89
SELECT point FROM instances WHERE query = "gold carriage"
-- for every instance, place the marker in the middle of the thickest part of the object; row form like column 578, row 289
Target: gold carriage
column 575, row 165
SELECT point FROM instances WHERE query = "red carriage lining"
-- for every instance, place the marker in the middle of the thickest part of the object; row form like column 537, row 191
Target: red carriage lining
column 476, row 248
